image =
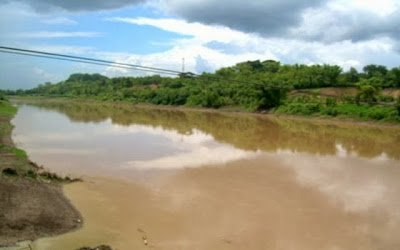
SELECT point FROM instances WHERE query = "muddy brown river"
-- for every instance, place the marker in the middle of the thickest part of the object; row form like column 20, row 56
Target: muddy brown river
column 208, row 180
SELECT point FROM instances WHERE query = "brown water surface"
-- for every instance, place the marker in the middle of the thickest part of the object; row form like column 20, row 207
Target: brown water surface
column 206, row 180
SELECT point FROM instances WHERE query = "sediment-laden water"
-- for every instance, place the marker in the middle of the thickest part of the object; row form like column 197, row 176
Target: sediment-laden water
column 208, row 180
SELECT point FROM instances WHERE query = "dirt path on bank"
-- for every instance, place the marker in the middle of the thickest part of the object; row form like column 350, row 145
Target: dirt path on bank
column 30, row 207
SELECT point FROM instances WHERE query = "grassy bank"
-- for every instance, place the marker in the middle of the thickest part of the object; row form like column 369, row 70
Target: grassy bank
column 342, row 108
column 14, row 161
column 32, row 203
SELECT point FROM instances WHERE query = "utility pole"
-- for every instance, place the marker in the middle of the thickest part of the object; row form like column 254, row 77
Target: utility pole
column 183, row 65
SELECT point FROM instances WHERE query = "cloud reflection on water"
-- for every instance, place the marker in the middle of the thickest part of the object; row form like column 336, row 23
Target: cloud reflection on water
column 89, row 147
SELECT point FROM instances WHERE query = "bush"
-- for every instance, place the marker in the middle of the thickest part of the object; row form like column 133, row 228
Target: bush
column 330, row 102
column 348, row 98
column 385, row 98
column 329, row 111
column 31, row 174
column 367, row 93
column 300, row 108
column 362, row 112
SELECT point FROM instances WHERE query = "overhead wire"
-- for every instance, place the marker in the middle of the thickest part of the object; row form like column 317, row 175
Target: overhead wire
column 101, row 62
column 87, row 62
column 87, row 59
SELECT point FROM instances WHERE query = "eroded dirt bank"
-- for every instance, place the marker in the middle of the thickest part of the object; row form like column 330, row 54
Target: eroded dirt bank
column 30, row 209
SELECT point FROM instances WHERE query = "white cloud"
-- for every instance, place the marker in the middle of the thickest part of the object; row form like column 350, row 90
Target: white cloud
column 62, row 49
column 219, row 47
column 57, row 34
column 59, row 21
column 194, row 47
column 41, row 73
column 346, row 33
column 380, row 7
column 355, row 20
column 201, row 32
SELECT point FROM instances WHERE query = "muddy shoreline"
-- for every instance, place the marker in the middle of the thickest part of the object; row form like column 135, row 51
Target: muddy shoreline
column 32, row 205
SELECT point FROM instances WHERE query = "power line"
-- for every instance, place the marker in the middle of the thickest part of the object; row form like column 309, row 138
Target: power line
column 87, row 59
column 87, row 62
column 63, row 57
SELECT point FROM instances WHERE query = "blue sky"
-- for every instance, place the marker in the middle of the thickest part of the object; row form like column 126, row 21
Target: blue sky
column 209, row 34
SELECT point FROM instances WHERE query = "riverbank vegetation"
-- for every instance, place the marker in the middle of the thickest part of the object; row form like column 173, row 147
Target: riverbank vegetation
column 14, row 160
column 251, row 86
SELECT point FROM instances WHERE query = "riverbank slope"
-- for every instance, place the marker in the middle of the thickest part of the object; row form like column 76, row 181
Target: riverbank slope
column 32, row 203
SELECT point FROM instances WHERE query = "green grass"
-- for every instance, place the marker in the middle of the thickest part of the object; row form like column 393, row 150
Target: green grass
column 5, row 129
column 321, row 108
column 6, row 109
column 21, row 154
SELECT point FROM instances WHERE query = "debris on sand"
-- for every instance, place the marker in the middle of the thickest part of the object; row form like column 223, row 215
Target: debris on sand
column 101, row 247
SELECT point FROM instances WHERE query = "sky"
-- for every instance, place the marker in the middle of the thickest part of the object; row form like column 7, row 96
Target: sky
column 209, row 34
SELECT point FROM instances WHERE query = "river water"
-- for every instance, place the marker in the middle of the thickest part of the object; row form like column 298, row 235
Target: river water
column 207, row 180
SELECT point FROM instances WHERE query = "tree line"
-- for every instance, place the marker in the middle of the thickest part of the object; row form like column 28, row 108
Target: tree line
column 252, row 85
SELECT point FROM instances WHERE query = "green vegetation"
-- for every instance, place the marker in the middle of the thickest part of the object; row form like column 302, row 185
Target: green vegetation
column 311, row 106
column 19, row 153
column 12, row 158
column 6, row 110
column 251, row 86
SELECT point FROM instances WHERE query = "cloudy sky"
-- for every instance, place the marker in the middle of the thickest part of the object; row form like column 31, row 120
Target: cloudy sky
column 209, row 34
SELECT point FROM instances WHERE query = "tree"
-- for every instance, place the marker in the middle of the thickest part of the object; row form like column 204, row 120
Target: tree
column 349, row 78
column 398, row 106
column 393, row 77
column 271, row 66
column 367, row 93
column 372, row 70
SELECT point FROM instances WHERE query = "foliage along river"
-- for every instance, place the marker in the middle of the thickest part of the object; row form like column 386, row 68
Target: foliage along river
column 208, row 180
